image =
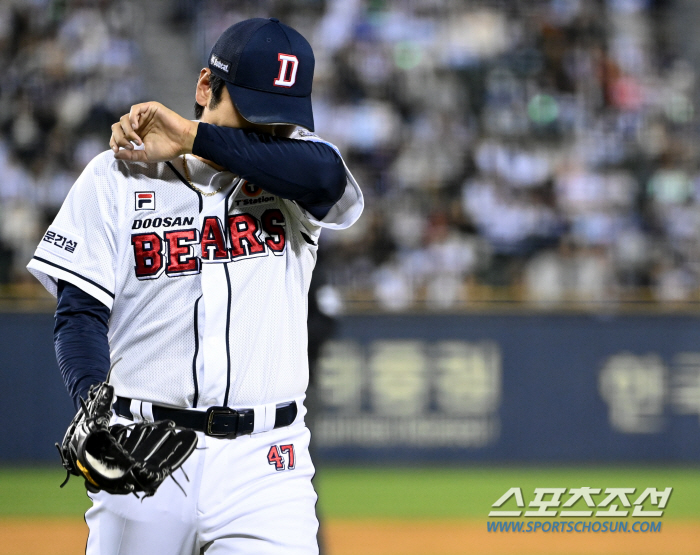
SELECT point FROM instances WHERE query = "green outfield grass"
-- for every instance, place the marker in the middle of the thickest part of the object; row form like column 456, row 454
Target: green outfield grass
column 434, row 493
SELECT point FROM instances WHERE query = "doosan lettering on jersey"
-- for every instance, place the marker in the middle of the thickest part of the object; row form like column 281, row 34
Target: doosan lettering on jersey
column 168, row 221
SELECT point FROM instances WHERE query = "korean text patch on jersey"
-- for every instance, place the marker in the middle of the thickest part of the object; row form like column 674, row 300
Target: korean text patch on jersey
column 60, row 242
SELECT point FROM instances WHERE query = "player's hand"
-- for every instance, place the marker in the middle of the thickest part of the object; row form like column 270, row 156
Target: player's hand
column 163, row 133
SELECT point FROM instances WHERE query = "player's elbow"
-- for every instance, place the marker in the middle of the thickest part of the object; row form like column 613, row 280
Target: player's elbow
column 331, row 183
column 328, row 190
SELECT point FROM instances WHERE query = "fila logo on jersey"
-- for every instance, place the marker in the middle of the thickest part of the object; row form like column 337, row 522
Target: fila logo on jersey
column 173, row 252
column 145, row 200
column 288, row 70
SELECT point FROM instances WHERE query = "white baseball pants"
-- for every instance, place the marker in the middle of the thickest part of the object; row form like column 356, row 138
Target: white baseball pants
column 250, row 495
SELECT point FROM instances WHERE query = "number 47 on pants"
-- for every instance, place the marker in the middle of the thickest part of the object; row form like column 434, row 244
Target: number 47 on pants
column 277, row 454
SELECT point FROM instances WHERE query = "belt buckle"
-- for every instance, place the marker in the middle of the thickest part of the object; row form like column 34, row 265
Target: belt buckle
column 210, row 414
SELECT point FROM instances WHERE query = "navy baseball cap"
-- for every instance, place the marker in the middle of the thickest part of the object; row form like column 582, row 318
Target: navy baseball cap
column 268, row 68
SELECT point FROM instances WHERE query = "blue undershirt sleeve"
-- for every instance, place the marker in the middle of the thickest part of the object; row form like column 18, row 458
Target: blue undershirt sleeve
column 310, row 173
column 80, row 339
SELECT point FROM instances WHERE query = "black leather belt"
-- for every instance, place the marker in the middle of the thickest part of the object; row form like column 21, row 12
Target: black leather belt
column 221, row 422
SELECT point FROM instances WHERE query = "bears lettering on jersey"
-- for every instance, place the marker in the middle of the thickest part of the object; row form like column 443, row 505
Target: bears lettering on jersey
column 244, row 230
column 174, row 252
column 272, row 221
column 148, row 253
column 213, row 242
column 182, row 260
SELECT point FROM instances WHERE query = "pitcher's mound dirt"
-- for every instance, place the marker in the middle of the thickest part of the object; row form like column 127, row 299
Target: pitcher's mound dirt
column 471, row 538
column 396, row 537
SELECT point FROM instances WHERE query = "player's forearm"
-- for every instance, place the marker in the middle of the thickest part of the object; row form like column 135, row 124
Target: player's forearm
column 308, row 172
column 80, row 339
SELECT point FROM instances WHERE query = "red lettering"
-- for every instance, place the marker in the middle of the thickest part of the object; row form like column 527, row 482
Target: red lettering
column 148, row 255
column 244, row 230
column 287, row 77
column 273, row 225
column 213, row 243
column 289, row 449
column 274, row 458
column 182, row 260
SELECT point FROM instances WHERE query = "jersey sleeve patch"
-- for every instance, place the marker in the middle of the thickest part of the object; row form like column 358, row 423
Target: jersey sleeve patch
column 61, row 243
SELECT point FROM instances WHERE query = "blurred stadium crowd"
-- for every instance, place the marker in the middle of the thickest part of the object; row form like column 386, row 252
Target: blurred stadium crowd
column 538, row 151
column 68, row 68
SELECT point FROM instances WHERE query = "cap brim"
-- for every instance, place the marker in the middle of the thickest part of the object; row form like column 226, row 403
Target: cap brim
column 269, row 108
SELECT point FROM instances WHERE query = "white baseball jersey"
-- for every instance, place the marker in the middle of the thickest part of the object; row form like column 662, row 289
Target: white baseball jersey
column 208, row 294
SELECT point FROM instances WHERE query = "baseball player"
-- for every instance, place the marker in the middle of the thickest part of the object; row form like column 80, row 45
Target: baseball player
column 181, row 268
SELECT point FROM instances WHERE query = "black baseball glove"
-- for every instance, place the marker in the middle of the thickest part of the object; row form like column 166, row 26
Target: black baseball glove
column 121, row 459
